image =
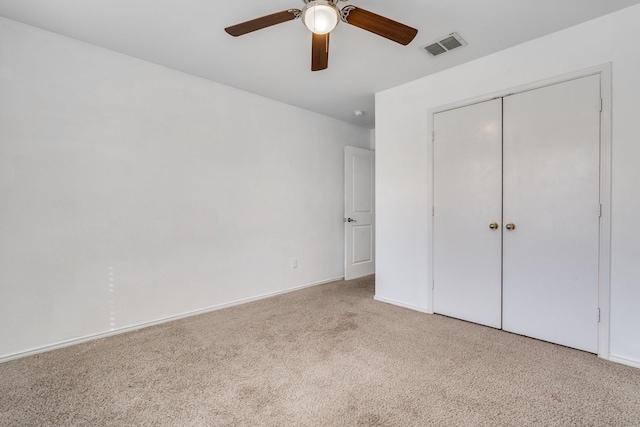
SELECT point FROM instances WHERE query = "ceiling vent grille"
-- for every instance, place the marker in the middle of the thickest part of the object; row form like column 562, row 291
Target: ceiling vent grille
column 445, row 44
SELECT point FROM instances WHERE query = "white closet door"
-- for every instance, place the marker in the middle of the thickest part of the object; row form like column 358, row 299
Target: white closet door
column 551, row 195
column 467, row 200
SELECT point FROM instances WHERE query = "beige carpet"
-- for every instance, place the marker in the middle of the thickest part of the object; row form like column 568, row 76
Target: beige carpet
column 324, row 356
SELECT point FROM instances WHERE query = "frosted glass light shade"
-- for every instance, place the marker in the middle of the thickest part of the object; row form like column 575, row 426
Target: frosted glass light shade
column 320, row 17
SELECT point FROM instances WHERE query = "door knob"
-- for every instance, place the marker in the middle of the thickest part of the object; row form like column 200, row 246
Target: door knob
column 494, row 226
column 349, row 220
column 510, row 226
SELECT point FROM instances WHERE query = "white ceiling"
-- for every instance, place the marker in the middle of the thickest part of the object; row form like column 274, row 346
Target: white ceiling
column 188, row 35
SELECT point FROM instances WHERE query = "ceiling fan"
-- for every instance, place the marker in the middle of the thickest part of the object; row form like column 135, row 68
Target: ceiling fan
column 321, row 17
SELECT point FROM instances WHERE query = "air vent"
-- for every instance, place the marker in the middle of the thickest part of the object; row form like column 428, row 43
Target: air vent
column 445, row 44
column 435, row 49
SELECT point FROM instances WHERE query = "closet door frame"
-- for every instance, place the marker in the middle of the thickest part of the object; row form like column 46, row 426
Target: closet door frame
column 604, row 262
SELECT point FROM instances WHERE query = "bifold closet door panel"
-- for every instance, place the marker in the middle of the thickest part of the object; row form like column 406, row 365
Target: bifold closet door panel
column 467, row 200
column 551, row 197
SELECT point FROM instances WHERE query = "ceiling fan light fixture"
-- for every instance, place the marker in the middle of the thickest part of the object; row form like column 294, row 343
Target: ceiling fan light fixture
column 320, row 16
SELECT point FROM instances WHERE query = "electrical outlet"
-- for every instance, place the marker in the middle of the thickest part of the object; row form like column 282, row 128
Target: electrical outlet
column 294, row 262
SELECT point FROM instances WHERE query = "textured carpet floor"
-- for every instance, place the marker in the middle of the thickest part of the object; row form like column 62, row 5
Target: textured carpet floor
column 324, row 356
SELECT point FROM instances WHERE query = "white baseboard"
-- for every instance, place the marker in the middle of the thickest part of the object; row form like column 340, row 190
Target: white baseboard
column 402, row 304
column 92, row 337
column 625, row 361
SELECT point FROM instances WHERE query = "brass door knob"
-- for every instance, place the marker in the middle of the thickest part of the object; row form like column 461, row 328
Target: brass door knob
column 494, row 226
column 510, row 226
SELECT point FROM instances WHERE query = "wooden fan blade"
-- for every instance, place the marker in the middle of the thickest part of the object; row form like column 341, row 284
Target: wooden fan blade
column 319, row 51
column 380, row 25
column 263, row 22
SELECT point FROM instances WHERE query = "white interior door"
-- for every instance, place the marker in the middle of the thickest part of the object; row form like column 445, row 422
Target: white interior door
column 468, row 213
column 551, row 195
column 359, row 217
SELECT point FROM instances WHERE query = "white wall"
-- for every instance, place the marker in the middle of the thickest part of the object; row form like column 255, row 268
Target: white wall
column 402, row 159
column 131, row 193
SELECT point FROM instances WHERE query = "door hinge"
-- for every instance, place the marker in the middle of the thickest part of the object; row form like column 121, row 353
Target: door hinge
column 598, row 315
column 433, row 284
column 433, row 136
column 600, row 211
column 433, row 211
column 601, row 105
